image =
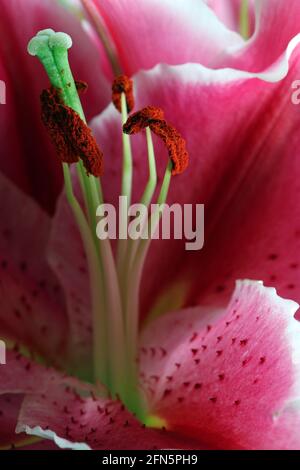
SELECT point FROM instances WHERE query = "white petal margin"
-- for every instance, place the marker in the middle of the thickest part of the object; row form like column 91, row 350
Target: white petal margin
column 52, row 436
column 292, row 332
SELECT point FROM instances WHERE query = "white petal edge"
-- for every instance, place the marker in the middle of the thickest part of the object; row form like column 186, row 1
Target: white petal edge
column 192, row 73
column 51, row 435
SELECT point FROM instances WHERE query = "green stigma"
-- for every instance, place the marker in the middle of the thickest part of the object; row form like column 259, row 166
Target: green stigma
column 114, row 283
column 244, row 19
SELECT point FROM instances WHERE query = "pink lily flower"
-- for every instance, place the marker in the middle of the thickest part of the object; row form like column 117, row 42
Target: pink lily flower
column 222, row 373
column 22, row 109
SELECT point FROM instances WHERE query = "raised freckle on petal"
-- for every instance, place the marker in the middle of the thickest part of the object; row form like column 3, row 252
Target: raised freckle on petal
column 153, row 118
column 142, row 119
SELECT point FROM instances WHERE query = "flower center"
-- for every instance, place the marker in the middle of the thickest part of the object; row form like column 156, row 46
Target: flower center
column 114, row 282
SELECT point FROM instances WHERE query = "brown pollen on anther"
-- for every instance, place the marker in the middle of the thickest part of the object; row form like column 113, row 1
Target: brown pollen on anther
column 123, row 84
column 153, row 118
column 72, row 138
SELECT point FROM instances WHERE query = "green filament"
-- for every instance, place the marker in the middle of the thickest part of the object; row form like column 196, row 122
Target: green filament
column 147, row 195
column 133, row 289
column 100, row 346
column 114, row 290
column 126, row 191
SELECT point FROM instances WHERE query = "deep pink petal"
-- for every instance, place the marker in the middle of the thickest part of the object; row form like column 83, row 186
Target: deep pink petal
column 232, row 383
column 27, row 154
column 21, row 375
column 149, row 32
column 91, row 422
column 18, row 377
column 32, row 307
column 229, row 12
column 10, row 405
column 67, row 258
column 217, row 46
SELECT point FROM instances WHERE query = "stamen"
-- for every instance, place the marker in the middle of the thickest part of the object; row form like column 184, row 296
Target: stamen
column 123, row 84
column 154, row 118
column 149, row 118
column 175, row 145
column 146, row 197
column 133, row 289
column 125, row 191
column 71, row 137
column 115, row 316
column 142, row 119
column 244, row 19
column 97, row 294
column 155, row 422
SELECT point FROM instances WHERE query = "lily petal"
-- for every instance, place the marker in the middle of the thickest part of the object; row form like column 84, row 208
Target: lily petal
column 231, row 382
column 32, row 308
column 242, row 137
column 40, row 445
column 270, row 39
column 67, row 258
column 9, row 411
column 21, row 375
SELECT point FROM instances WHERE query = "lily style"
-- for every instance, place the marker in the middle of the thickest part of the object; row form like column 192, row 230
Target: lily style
column 141, row 344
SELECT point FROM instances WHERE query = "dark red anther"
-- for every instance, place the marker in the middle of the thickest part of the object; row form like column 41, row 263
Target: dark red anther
column 123, row 84
column 72, row 138
column 154, row 119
